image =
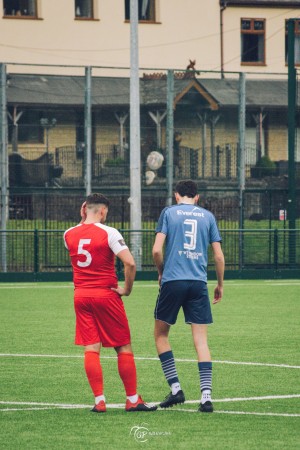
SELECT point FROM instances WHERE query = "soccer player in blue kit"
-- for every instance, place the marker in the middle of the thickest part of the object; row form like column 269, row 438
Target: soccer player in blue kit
column 186, row 230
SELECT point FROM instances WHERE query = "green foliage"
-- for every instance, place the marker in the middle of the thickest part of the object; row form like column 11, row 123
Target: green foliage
column 115, row 162
column 265, row 167
column 265, row 163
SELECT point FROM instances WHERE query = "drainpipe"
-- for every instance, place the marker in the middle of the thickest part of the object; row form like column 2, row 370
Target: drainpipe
column 223, row 6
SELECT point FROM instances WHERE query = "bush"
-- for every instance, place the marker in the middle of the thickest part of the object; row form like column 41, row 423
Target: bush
column 264, row 168
column 115, row 162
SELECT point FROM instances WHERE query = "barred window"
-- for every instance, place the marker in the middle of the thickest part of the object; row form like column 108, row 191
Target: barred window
column 253, row 41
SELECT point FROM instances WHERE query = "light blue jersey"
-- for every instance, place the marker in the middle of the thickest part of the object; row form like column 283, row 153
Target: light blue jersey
column 189, row 230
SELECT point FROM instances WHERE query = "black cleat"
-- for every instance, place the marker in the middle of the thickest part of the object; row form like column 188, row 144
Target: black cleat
column 171, row 399
column 206, row 407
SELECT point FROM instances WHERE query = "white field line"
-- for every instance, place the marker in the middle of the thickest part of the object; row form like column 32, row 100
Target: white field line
column 141, row 358
column 247, row 399
column 35, row 406
column 121, row 405
column 180, row 410
column 229, row 283
column 258, row 413
column 59, row 405
column 242, row 413
column 287, row 366
column 34, row 286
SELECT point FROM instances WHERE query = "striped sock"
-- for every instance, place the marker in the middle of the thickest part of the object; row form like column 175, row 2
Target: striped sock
column 205, row 373
column 169, row 369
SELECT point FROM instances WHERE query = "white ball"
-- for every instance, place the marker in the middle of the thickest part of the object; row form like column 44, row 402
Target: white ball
column 155, row 160
column 149, row 177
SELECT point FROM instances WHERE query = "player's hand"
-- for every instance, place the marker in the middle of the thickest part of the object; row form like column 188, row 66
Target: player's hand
column 218, row 294
column 159, row 279
column 121, row 291
column 83, row 212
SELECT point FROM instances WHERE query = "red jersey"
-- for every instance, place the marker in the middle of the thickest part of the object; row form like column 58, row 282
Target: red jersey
column 92, row 249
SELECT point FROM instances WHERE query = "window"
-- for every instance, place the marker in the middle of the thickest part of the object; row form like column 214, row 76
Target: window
column 19, row 8
column 297, row 42
column 253, row 41
column 84, row 9
column 29, row 128
column 146, row 10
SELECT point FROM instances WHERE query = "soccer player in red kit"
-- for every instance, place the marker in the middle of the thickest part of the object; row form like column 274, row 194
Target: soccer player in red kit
column 100, row 315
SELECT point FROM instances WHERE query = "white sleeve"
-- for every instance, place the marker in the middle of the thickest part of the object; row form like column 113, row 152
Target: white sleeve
column 116, row 241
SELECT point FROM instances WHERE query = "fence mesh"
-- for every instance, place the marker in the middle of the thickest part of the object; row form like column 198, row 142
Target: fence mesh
column 47, row 141
column 60, row 209
column 47, row 154
column 43, row 250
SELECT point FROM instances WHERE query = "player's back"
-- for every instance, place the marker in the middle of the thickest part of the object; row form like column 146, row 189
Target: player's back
column 189, row 230
column 93, row 260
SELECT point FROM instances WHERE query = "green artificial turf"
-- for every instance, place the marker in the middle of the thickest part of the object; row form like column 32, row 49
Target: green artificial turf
column 45, row 398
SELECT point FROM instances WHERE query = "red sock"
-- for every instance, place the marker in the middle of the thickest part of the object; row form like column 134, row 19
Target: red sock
column 127, row 371
column 93, row 372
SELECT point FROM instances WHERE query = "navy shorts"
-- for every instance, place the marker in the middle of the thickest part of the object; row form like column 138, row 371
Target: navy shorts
column 191, row 295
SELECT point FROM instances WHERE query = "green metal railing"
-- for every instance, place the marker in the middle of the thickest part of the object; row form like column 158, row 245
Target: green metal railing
column 40, row 254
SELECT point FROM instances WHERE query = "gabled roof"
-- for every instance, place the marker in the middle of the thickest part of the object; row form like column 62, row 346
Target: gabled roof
column 58, row 91
column 264, row 92
column 62, row 90
column 154, row 92
column 198, row 87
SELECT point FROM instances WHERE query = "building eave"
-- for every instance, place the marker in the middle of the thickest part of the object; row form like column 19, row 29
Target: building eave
column 260, row 3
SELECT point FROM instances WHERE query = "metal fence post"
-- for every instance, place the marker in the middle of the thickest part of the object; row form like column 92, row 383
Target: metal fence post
column 88, row 129
column 170, row 134
column 135, row 140
column 241, row 159
column 3, row 165
column 292, row 94
column 36, row 251
column 276, row 249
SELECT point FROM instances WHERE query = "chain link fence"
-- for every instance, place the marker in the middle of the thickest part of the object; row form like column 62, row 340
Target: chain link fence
column 59, row 209
column 206, row 140
column 43, row 251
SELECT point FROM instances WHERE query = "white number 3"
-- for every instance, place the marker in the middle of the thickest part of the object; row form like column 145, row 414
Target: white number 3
column 82, row 251
column 191, row 234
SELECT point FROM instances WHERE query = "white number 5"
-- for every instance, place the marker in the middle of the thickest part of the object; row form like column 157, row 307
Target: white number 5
column 82, row 251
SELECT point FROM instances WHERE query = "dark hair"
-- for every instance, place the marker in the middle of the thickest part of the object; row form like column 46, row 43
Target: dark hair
column 186, row 188
column 97, row 199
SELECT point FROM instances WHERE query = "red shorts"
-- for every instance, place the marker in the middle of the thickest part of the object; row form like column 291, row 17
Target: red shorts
column 101, row 319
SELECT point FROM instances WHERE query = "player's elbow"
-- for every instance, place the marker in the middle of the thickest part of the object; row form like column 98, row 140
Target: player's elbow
column 220, row 263
column 156, row 252
column 219, row 258
column 130, row 265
